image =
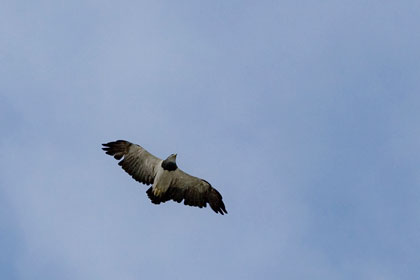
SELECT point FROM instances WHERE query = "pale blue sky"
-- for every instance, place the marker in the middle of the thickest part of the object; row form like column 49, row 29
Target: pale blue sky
column 304, row 115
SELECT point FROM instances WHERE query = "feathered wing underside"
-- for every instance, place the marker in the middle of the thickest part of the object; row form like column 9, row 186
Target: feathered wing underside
column 136, row 161
column 143, row 167
column 192, row 190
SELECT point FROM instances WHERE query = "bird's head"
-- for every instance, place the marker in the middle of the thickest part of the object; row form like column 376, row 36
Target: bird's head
column 171, row 158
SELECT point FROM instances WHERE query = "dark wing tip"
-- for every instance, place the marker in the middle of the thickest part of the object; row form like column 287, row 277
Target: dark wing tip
column 114, row 143
column 216, row 201
column 117, row 148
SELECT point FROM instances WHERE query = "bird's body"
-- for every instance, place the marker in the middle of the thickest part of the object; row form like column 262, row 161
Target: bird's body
column 162, row 181
column 168, row 181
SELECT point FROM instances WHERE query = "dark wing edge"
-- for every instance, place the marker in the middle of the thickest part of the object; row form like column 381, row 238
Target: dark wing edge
column 137, row 162
column 198, row 194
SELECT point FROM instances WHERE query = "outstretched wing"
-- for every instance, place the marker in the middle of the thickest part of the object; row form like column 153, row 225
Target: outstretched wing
column 194, row 191
column 137, row 162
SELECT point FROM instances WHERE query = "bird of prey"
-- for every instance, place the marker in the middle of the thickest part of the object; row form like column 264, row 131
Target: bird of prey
column 168, row 181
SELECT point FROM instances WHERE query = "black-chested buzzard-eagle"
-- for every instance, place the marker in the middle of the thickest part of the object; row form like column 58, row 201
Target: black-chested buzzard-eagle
column 168, row 181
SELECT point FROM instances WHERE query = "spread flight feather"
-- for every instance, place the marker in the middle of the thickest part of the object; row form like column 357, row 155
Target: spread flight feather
column 168, row 181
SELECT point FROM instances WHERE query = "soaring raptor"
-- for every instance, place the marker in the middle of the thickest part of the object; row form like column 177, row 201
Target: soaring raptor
column 168, row 181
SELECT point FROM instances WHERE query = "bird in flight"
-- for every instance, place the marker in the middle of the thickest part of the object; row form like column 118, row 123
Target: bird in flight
column 167, row 180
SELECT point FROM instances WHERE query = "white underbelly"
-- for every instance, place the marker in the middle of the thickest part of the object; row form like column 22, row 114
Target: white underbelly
column 161, row 182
